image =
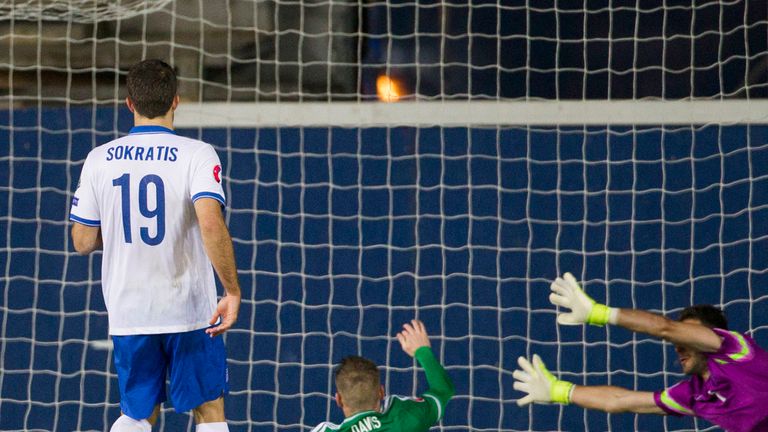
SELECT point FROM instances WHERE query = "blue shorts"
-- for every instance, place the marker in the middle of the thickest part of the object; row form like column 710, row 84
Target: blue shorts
column 195, row 363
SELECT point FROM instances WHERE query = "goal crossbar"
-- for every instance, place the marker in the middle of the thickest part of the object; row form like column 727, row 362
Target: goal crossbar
column 474, row 113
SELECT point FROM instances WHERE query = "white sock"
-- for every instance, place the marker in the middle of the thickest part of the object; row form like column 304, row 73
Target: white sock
column 212, row 427
column 127, row 424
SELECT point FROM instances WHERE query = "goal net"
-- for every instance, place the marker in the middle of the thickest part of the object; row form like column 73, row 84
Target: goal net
column 391, row 160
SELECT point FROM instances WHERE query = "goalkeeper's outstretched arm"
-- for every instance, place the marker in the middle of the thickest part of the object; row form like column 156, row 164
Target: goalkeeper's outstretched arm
column 542, row 386
column 612, row 399
column 567, row 294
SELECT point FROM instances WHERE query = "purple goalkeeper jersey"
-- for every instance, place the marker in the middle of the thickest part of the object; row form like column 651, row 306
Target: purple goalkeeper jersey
column 735, row 397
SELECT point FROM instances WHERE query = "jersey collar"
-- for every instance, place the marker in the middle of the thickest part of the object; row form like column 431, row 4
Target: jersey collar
column 150, row 129
column 356, row 416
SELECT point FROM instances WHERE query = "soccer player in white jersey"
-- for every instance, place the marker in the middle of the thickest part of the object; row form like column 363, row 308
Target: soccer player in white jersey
column 152, row 200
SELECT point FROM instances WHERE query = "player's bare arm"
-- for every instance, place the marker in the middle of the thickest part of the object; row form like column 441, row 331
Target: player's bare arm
column 86, row 239
column 693, row 335
column 218, row 246
column 612, row 399
column 542, row 386
column 582, row 309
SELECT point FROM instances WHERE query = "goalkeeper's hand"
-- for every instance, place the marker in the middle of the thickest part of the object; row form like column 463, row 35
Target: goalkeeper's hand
column 540, row 384
column 567, row 293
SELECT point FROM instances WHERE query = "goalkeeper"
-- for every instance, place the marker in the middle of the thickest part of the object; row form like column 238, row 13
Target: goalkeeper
column 728, row 382
column 359, row 392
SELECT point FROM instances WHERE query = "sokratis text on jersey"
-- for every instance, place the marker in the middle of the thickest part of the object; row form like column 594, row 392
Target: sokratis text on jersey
column 139, row 153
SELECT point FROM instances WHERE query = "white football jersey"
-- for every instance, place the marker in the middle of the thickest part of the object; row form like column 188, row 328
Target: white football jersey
column 140, row 189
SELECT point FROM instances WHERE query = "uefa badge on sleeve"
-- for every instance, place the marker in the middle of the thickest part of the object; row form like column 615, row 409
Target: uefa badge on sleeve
column 216, row 172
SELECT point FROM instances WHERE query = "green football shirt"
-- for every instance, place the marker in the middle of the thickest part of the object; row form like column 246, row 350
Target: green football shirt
column 404, row 414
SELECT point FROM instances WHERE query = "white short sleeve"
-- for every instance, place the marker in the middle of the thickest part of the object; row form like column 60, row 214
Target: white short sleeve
column 206, row 176
column 84, row 208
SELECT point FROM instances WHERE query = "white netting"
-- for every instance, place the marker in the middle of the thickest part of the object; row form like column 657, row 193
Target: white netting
column 508, row 160
column 79, row 11
column 255, row 51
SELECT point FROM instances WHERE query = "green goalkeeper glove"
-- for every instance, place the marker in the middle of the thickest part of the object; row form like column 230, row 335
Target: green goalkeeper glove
column 540, row 384
column 567, row 293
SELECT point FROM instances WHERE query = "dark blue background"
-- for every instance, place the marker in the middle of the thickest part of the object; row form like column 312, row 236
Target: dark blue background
column 342, row 235
column 600, row 49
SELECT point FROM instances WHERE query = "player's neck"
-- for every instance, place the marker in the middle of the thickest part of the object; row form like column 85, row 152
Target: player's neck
column 165, row 121
column 350, row 413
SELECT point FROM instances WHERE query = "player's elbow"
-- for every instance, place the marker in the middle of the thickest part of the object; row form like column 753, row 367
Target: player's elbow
column 667, row 328
column 446, row 392
column 451, row 390
column 614, row 406
column 622, row 401
column 82, row 244
column 82, row 247
column 445, row 395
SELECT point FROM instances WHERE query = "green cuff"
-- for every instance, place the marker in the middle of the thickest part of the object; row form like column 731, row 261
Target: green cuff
column 599, row 315
column 561, row 392
column 425, row 353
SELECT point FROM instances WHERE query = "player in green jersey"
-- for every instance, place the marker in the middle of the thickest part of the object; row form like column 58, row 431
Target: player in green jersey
column 359, row 392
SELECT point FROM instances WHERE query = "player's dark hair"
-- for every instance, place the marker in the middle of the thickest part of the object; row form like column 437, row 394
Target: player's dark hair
column 357, row 380
column 151, row 87
column 709, row 315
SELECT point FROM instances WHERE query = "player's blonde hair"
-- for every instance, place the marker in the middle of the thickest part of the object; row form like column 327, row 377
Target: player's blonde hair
column 357, row 380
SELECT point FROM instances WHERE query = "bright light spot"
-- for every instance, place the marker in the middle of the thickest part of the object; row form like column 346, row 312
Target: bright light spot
column 388, row 89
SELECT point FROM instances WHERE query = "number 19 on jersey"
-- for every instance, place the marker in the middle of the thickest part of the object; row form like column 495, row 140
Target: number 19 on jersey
column 157, row 213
